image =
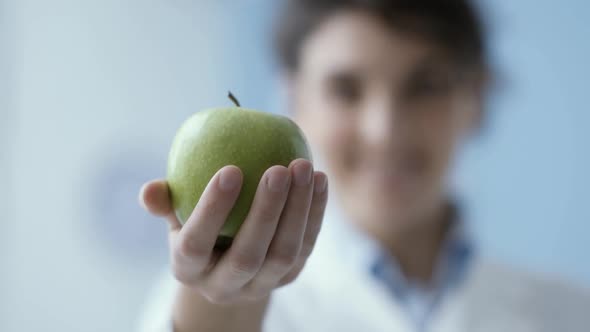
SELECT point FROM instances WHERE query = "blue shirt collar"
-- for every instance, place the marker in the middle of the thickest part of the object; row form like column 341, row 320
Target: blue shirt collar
column 451, row 264
column 420, row 301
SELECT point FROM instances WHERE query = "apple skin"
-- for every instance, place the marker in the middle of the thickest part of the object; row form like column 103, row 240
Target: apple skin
column 211, row 139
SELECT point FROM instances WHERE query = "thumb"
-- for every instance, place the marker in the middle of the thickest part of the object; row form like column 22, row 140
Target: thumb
column 154, row 197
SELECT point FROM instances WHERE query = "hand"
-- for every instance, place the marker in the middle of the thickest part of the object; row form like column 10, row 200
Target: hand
column 271, row 246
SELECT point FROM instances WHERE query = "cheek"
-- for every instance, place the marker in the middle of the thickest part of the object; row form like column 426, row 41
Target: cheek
column 331, row 135
column 437, row 134
column 438, row 131
column 334, row 136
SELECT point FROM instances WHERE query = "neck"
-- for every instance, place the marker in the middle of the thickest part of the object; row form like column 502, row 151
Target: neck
column 417, row 247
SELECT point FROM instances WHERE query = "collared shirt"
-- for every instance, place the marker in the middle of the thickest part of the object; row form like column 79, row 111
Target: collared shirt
column 419, row 301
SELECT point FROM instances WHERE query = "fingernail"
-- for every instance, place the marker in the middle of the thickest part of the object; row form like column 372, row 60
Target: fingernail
column 320, row 184
column 229, row 180
column 303, row 173
column 278, row 182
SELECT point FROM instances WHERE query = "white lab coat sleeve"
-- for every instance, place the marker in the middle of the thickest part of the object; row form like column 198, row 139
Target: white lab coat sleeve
column 156, row 315
column 284, row 311
column 157, row 312
column 277, row 319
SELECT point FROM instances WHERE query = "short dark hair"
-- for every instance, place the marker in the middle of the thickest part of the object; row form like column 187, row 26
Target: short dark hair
column 453, row 24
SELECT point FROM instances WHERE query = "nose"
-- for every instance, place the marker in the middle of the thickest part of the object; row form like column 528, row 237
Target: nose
column 378, row 123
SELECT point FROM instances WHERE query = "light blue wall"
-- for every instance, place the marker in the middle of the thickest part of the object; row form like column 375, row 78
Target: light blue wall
column 101, row 86
column 7, row 53
column 530, row 187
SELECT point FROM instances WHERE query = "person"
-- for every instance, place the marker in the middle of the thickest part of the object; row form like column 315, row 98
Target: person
column 387, row 92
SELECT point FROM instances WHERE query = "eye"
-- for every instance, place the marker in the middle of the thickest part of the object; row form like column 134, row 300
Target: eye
column 429, row 85
column 345, row 89
column 431, row 77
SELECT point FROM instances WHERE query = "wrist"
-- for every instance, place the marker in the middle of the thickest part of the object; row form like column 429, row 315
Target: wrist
column 194, row 312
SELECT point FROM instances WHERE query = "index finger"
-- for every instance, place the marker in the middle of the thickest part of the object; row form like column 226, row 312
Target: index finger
column 199, row 234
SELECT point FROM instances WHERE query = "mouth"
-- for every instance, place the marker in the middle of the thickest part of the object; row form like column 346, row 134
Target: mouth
column 401, row 177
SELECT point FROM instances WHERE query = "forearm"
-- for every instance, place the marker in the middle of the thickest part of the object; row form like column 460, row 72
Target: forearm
column 194, row 313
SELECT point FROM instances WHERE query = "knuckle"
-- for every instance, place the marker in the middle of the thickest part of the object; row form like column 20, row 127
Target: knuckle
column 184, row 248
column 288, row 279
column 183, row 277
column 244, row 265
column 306, row 250
column 291, row 276
column 315, row 228
column 187, row 248
column 267, row 214
column 284, row 258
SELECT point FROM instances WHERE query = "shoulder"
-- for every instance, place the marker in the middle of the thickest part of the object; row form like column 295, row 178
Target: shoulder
column 499, row 288
column 513, row 278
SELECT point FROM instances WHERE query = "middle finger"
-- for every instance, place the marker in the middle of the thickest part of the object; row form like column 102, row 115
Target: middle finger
column 287, row 242
column 196, row 239
column 248, row 250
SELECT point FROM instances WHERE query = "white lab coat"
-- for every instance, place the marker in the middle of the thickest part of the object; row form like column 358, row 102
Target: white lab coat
column 331, row 295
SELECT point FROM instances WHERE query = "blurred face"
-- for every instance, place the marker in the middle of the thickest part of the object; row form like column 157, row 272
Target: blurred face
column 384, row 111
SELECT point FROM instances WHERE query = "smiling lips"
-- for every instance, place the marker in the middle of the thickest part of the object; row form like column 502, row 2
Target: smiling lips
column 398, row 177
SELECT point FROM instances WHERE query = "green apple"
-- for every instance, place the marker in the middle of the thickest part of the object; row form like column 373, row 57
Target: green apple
column 210, row 139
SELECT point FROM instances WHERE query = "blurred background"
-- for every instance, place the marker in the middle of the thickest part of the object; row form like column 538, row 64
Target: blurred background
column 91, row 93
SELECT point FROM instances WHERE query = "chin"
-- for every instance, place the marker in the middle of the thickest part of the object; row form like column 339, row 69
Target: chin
column 381, row 212
column 381, row 224
column 391, row 202
column 393, row 211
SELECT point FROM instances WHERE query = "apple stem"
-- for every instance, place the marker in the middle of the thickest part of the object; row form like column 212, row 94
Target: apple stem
column 233, row 98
